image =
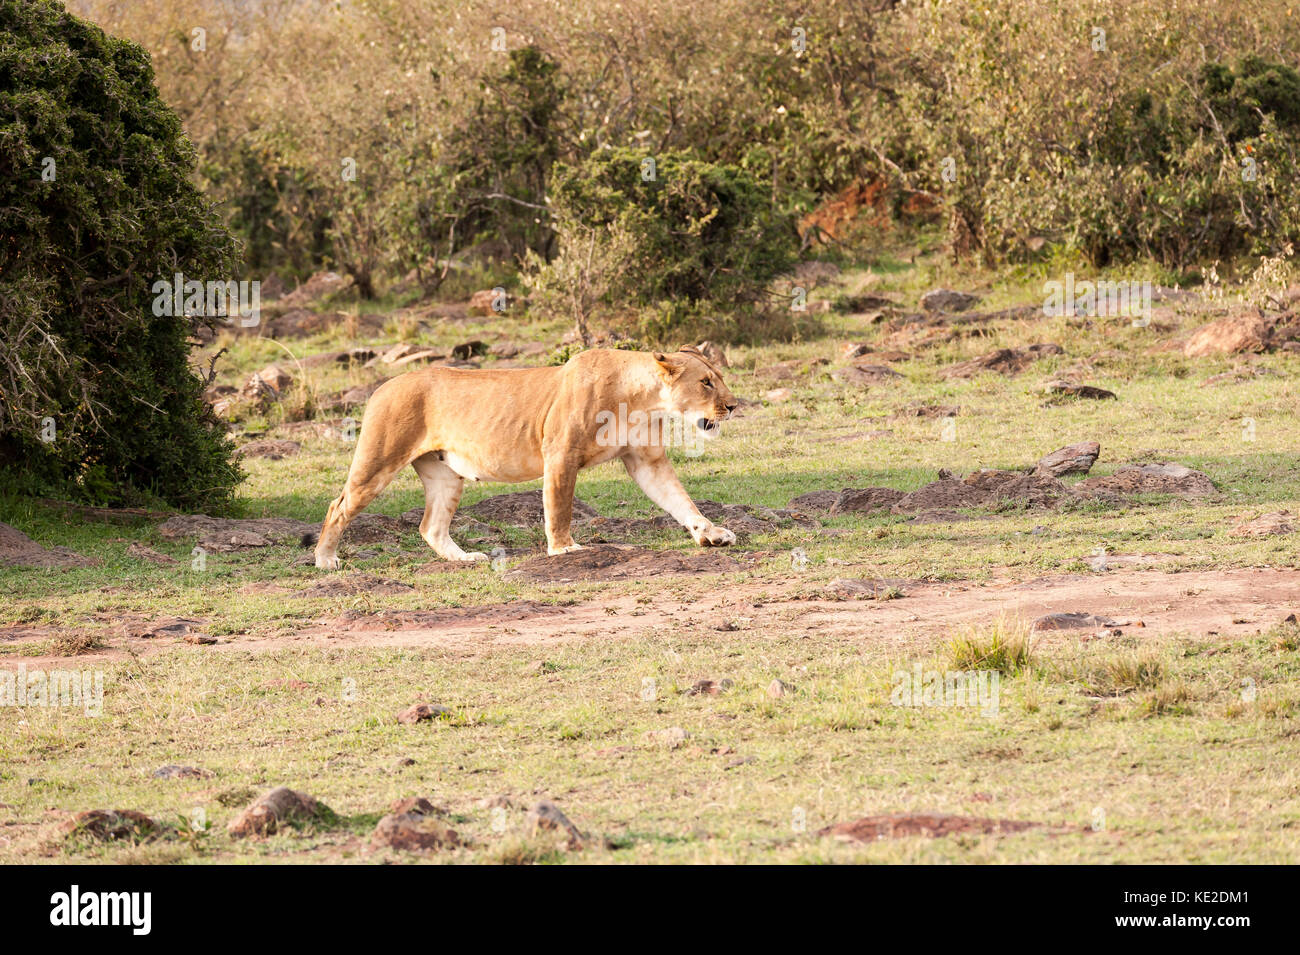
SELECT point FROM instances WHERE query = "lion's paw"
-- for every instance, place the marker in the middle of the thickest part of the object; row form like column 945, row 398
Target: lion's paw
column 475, row 556
column 566, row 549
column 714, row 536
column 327, row 563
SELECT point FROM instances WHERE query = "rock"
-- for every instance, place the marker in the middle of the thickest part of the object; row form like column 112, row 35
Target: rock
column 413, row 832
column 423, row 713
column 107, row 825
column 865, row 374
column 709, row 688
column 1156, row 478
column 778, row 689
column 164, row 627
column 876, row 589
column 983, row 488
column 1070, row 389
column 427, row 354
column 1072, row 459
column 714, row 354
column 914, row 409
column 273, row 811
column 416, row 805
column 814, row 501
column 670, row 738
column 275, row 378
column 1004, row 361
column 19, row 550
column 316, row 288
column 354, row 585
column 778, row 395
column 298, row 322
column 790, row 370
column 217, row 534
column 356, row 395
column 504, row 350
column 547, row 818
column 522, row 509
column 467, row 350
column 485, row 302
column 1274, row 523
column 864, row 500
column 272, row 288
column 947, row 300
column 272, row 449
column 358, row 356
column 930, row 825
column 180, row 772
column 862, row 304
column 199, row 639
column 1244, row 331
column 1071, row 621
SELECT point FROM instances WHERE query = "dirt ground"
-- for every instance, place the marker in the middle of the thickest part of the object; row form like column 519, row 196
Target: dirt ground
column 1194, row 604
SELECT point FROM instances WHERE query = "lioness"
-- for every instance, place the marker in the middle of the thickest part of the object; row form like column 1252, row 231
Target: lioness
column 513, row 425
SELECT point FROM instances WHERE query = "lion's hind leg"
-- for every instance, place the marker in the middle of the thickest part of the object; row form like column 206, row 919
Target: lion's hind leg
column 369, row 474
column 442, row 490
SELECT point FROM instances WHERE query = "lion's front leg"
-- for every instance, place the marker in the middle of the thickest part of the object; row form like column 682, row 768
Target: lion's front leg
column 559, row 478
column 653, row 472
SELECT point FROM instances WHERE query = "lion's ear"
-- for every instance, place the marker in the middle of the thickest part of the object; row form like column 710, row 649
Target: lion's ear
column 691, row 350
column 668, row 365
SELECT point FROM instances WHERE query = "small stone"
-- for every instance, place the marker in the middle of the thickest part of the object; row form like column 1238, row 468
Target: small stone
column 1272, row 524
column 110, row 824
column 274, row 810
column 947, row 300
column 714, row 354
column 778, row 689
column 416, row 805
column 422, row 713
column 1071, row 621
column 546, row 817
column 778, row 395
column 401, row 763
column 1072, row 459
column 413, row 832
column 275, row 378
column 709, row 688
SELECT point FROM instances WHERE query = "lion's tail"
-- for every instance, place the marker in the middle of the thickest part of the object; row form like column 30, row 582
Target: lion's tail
column 309, row 539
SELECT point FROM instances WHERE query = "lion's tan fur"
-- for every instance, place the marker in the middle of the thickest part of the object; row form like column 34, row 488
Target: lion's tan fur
column 515, row 425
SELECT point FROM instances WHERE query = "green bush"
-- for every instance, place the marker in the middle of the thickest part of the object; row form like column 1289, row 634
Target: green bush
column 655, row 232
column 96, row 205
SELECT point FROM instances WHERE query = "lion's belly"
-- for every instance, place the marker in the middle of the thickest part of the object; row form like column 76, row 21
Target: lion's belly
column 476, row 469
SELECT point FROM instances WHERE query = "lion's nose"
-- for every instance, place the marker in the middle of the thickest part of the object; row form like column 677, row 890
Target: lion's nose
column 731, row 406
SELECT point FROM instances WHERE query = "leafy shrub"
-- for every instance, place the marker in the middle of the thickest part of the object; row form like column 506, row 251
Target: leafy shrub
column 641, row 231
column 96, row 205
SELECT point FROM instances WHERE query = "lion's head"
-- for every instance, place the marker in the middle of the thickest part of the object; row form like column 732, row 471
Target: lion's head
column 696, row 390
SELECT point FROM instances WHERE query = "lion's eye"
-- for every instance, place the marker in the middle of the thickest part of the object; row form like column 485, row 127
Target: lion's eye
column 706, row 383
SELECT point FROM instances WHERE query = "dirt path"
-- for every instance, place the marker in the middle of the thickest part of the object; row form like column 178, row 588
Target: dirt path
column 1197, row 603
column 1210, row 603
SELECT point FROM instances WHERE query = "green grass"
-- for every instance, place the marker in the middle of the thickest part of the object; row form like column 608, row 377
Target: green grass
column 1160, row 735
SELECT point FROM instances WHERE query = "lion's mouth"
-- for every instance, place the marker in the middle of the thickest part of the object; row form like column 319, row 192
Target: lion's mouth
column 707, row 425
